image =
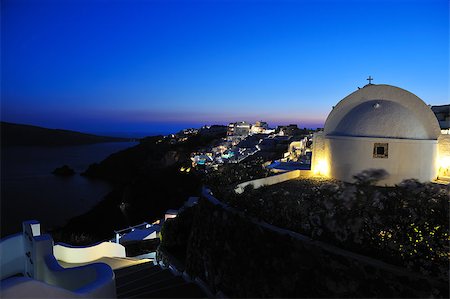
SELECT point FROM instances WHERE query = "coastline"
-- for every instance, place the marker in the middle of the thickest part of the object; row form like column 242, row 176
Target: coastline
column 30, row 191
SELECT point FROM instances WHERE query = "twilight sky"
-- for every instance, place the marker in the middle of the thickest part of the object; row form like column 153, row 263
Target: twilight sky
column 160, row 66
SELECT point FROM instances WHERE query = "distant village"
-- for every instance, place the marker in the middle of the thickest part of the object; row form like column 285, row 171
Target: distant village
column 288, row 146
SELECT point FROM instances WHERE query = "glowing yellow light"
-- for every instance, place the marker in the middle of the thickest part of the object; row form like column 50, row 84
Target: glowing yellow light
column 322, row 168
column 444, row 162
column 443, row 166
column 189, row 169
column 182, row 169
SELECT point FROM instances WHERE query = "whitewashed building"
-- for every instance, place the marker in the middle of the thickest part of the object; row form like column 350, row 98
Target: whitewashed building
column 380, row 127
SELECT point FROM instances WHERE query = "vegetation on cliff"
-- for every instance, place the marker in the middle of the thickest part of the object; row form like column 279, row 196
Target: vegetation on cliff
column 224, row 180
column 405, row 225
column 233, row 254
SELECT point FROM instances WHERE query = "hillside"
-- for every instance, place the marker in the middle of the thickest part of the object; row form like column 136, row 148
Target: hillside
column 17, row 134
column 146, row 181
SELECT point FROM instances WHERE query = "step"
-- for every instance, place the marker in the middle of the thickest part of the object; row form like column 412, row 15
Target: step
column 138, row 276
column 143, row 293
column 186, row 290
column 151, row 287
column 145, row 279
column 137, row 273
column 126, row 271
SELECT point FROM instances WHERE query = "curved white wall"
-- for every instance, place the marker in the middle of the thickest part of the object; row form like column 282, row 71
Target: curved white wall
column 407, row 159
column 12, row 256
column 92, row 280
column 72, row 254
column 31, row 254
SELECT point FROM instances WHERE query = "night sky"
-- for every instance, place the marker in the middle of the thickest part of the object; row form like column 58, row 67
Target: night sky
column 160, row 66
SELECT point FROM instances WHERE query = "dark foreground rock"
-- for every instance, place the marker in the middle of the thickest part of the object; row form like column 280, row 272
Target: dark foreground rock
column 63, row 171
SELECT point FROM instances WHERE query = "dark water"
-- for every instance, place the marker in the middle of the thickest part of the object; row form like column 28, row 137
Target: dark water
column 30, row 191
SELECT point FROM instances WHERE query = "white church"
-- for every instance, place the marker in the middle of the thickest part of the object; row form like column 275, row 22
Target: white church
column 381, row 127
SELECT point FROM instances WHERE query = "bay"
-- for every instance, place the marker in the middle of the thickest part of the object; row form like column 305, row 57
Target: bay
column 29, row 190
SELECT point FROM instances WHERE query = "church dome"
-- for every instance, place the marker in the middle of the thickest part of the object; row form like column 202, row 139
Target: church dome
column 380, row 118
column 382, row 111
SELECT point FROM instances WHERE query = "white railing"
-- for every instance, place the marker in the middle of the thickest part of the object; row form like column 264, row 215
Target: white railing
column 82, row 254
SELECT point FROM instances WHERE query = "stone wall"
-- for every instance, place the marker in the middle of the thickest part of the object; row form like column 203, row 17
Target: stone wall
column 242, row 257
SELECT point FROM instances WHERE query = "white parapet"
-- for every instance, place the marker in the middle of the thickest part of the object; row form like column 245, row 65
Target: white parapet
column 271, row 180
column 85, row 254
column 170, row 214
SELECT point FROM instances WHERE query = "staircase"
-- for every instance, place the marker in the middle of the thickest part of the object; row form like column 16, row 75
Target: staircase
column 147, row 280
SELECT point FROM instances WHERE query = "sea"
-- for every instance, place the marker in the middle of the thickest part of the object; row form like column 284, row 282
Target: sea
column 29, row 190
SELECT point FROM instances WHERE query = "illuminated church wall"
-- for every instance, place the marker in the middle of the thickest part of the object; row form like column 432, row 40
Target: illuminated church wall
column 403, row 159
